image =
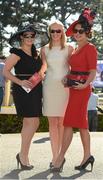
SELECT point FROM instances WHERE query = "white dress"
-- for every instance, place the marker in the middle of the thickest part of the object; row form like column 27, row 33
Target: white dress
column 55, row 96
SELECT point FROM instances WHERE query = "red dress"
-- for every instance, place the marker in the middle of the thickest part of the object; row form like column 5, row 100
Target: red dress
column 76, row 112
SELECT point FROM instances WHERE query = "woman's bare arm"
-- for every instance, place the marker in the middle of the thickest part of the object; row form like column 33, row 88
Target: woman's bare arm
column 9, row 64
column 44, row 63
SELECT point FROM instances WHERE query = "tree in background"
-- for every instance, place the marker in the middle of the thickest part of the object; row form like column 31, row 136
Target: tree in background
column 13, row 12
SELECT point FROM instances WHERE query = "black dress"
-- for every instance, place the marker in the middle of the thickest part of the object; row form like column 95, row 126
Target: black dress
column 27, row 104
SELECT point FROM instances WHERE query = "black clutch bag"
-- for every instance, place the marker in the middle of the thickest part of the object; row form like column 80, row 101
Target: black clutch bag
column 71, row 82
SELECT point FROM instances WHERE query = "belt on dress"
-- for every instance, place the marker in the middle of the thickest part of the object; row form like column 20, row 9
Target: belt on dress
column 23, row 74
column 79, row 73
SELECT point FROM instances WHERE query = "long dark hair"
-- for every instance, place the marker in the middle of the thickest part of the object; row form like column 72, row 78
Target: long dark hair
column 34, row 52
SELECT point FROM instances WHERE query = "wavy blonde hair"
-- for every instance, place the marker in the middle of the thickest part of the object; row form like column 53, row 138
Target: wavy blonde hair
column 63, row 36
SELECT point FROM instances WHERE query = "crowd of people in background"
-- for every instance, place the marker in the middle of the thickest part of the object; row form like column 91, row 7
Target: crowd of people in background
column 93, row 111
column 2, row 80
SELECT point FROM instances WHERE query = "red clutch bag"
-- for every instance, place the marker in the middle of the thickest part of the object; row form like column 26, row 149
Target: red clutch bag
column 35, row 79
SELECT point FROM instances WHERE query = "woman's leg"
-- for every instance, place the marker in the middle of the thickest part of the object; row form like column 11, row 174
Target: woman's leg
column 54, row 136
column 67, row 138
column 85, row 138
column 30, row 126
column 60, row 131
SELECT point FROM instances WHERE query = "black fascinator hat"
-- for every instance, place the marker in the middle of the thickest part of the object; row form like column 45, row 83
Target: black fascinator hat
column 40, row 31
column 86, row 19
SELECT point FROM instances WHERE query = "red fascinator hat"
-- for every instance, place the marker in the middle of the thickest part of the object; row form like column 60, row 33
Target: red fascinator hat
column 86, row 19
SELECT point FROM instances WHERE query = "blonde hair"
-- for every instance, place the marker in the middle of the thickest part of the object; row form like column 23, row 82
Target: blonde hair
column 63, row 36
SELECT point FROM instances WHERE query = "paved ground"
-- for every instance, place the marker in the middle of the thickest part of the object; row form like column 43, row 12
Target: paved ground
column 40, row 155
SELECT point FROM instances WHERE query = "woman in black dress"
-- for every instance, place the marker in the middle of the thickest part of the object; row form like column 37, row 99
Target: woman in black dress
column 26, row 62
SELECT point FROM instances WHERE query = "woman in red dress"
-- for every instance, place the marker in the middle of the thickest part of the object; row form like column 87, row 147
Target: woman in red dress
column 83, row 70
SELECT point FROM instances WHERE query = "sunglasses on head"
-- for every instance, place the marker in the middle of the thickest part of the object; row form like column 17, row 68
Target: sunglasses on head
column 80, row 31
column 55, row 31
column 28, row 36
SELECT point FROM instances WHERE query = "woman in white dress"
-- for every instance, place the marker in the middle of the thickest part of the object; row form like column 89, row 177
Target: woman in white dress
column 55, row 96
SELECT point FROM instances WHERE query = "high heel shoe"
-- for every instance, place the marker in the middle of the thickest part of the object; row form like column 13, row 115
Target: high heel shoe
column 90, row 160
column 23, row 167
column 58, row 169
column 51, row 165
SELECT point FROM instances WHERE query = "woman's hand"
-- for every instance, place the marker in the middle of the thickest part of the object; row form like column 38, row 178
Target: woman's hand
column 80, row 86
column 26, row 83
column 64, row 81
column 91, row 77
column 42, row 74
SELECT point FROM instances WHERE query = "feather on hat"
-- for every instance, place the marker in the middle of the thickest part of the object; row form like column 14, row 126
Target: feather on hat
column 86, row 18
